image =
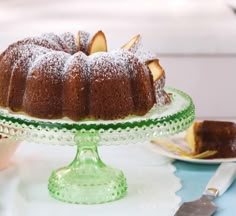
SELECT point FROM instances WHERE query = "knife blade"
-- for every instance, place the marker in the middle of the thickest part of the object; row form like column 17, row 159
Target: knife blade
column 218, row 184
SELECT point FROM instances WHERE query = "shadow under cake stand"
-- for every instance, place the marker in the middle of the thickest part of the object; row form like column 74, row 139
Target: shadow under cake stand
column 87, row 180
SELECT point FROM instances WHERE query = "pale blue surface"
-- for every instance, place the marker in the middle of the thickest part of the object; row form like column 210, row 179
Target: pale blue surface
column 194, row 178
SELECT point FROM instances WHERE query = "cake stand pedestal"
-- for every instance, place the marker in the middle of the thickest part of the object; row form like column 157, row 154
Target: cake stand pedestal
column 87, row 180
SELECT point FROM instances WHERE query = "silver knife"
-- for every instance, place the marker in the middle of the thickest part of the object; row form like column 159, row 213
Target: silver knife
column 218, row 184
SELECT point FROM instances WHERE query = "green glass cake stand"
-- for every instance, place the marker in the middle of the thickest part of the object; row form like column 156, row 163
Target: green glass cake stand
column 87, row 180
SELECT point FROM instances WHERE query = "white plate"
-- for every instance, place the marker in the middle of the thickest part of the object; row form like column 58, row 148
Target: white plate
column 174, row 155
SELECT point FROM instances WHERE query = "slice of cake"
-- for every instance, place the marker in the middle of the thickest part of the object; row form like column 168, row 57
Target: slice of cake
column 219, row 136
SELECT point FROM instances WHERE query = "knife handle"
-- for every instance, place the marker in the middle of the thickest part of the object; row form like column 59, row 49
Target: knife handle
column 221, row 180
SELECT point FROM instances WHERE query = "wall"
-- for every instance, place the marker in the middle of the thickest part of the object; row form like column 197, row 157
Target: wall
column 210, row 80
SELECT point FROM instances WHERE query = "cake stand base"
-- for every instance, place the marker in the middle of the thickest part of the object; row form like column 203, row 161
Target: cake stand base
column 87, row 180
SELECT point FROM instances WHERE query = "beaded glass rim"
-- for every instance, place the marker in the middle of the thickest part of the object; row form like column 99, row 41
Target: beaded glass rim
column 132, row 121
column 159, row 121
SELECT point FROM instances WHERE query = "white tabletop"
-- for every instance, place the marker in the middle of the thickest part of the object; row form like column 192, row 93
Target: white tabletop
column 151, row 182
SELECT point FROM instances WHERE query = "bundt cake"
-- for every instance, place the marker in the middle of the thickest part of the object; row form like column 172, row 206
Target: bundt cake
column 55, row 76
column 218, row 136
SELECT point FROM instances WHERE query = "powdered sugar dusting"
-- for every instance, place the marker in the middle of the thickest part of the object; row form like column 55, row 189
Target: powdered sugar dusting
column 76, row 63
column 132, row 62
column 70, row 41
column 145, row 55
column 139, row 51
column 101, row 63
column 24, row 51
column 53, row 38
column 28, row 54
column 40, row 42
column 137, row 45
column 114, row 62
column 83, row 41
column 57, row 57
column 120, row 63
column 51, row 63
column 126, row 60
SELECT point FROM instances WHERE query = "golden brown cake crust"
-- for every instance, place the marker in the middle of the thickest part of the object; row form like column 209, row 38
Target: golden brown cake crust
column 43, row 89
column 110, row 90
column 76, row 88
column 51, row 77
